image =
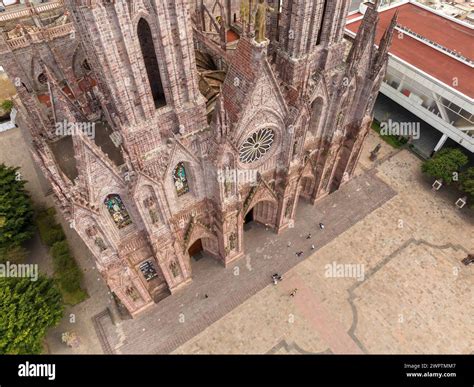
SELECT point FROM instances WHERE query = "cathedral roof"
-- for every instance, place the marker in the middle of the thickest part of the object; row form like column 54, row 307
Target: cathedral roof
column 241, row 77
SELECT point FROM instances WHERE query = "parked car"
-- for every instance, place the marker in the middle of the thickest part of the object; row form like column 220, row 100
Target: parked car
column 2, row 8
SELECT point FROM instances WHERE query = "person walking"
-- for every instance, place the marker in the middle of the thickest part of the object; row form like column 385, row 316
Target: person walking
column 293, row 293
column 276, row 277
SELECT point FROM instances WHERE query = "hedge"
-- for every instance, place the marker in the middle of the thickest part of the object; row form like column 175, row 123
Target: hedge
column 65, row 268
column 50, row 232
column 66, row 271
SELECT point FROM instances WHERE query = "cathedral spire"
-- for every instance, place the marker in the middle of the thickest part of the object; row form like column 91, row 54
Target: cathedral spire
column 384, row 45
column 221, row 120
column 365, row 39
column 387, row 38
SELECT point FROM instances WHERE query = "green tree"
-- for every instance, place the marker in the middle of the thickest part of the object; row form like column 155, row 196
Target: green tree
column 16, row 254
column 444, row 164
column 28, row 308
column 467, row 182
column 16, row 210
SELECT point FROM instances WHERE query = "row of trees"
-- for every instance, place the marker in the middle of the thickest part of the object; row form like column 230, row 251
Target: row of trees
column 27, row 308
column 67, row 273
column 448, row 166
column 16, row 215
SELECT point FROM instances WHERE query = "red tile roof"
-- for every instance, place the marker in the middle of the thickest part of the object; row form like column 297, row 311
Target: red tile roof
column 426, row 58
column 232, row 36
column 46, row 100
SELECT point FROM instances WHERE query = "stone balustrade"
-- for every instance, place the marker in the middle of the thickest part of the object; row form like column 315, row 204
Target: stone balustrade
column 12, row 15
column 20, row 42
column 49, row 6
column 34, row 37
column 58, row 31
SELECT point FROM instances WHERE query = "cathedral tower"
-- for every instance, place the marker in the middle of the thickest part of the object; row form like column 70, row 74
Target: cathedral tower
column 310, row 36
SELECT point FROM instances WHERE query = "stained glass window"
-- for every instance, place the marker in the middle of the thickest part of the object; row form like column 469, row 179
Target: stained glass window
column 256, row 145
column 117, row 210
column 180, row 179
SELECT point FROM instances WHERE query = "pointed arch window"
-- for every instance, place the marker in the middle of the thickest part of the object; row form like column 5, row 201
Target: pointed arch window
column 147, row 46
column 117, row 210
column 180, row 179
column 323, row 21
column 316, row 115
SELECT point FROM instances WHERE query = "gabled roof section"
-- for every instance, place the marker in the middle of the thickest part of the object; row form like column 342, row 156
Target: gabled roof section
column 251, row 80
column 241, row 78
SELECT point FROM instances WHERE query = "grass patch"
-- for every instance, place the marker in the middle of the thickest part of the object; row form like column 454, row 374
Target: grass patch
column 67, row 273
column 394, row 141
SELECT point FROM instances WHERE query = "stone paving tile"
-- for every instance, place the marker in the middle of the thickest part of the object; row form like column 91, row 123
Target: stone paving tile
column 160, row 329
column 321, row 319
column 427, row 315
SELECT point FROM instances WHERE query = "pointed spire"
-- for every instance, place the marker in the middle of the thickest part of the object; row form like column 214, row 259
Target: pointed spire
column 365, row 36
column 387, row 38
column 384, row 46
column 221, row 119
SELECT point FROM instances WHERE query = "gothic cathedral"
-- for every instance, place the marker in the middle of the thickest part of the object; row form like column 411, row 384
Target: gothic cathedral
column 164, row 126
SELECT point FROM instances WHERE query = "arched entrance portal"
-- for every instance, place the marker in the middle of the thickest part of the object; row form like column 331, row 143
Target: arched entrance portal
column 196, row 251
column 203, row 256
column 203, row 247
column 249, row 217
column 307, row 187
column 264, row 212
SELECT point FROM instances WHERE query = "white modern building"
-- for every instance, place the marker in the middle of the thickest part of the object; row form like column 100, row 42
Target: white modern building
column 431, row 67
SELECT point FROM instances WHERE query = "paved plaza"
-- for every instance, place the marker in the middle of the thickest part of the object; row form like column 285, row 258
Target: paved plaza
column 407, row 292
column 414, row 297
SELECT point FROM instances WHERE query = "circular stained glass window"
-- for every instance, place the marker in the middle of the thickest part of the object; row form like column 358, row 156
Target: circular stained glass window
column 256, row 145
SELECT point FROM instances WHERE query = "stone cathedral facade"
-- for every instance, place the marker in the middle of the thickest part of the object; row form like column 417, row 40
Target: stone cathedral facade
column 164, row 126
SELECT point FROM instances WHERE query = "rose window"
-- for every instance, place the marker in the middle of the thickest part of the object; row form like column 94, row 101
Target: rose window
column 256, row 145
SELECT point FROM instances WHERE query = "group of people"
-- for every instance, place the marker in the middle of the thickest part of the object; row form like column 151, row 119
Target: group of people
column 309, row 236
column 277, row 277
